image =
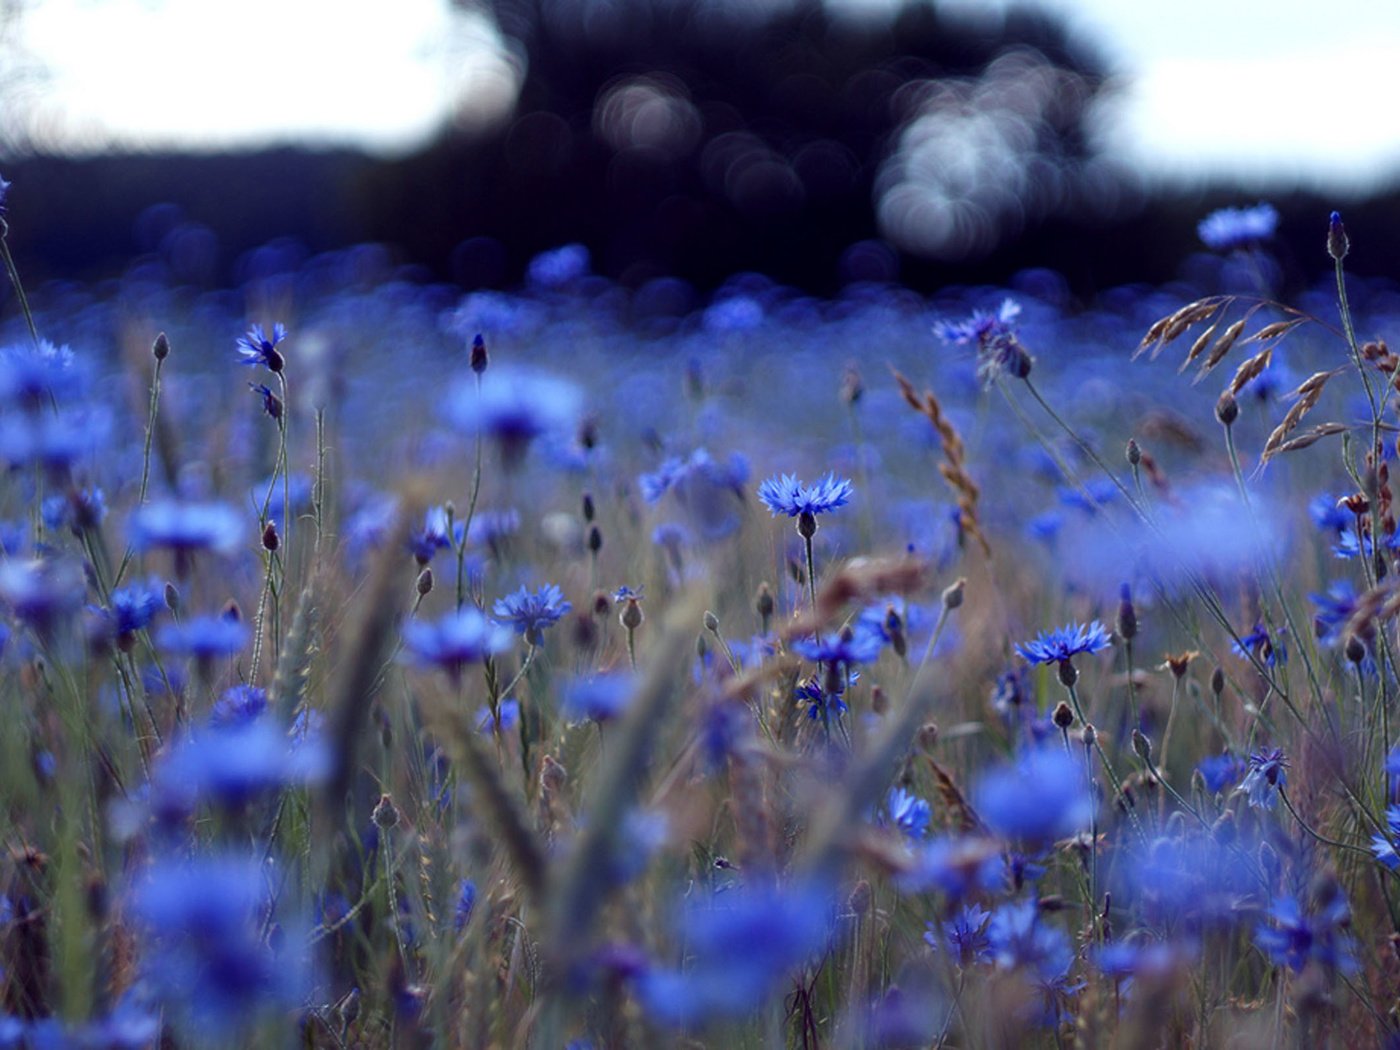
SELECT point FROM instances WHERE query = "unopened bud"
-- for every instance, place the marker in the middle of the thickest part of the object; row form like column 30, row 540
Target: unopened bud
column 270, row 539
column 160, row 349
column 1063, row 716
column 953, row 594
column 1217, row 682
column 595, row 539
column 927, row 736
column 1142, row 746
column 631, row 616
column 1355, row 650
column 172, row 598
column 1088, row 735
column 1069, row 674
column 588, row 509
column 879, row 700
column 425, row 581
column 851, row 386
column 385, row 814
column 1127, row 615
column 479, row 357
column 860, row 897
column 763, row 601
column 1134, row 453
column 1227, row 409
column 711, row 622
column 1338, row 244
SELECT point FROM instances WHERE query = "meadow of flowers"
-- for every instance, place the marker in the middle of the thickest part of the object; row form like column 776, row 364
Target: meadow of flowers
column 585, row 667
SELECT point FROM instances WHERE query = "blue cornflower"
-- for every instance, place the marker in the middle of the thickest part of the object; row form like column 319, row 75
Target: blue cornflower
column 739, row 946
column 133, row 607
column 601, row 698
column 75, row 510
column 703, row 487
column 787, row 495
column 1328, row 514
column 1041, row 797
column 507, row 717
column 848, row 647
column 1020, row 941
column 462, row 637
column 1267, row 647
column 204, row 637
column 1238, row 227
column 558, row 267
column 999, row 351
column 627, row 594
column 1349, row 544
column 1294, row 939
column 1267, row 776
column 185, row 527
column 239, row 705
column 490, row 528
column 1220, row 771
column 514, row 410
column 256, row 348
column 230, row 764
column 1334, row 609
column 36, row 378
column 1383, row 846
column 530, row 613
column 206, row 957
column 434, row 535
column 908, row 812
column 1067, row 642
column 271, row 403
column 41, row 593
column 963, row 937
column 956, row 865
column 822, row 706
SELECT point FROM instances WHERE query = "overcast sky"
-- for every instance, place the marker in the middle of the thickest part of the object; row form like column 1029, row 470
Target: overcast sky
column 1268, row 92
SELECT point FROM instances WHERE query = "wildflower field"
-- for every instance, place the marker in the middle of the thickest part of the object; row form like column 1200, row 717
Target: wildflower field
column 591, row 667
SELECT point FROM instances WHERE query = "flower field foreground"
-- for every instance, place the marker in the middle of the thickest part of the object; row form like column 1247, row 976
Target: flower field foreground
column 583, row 667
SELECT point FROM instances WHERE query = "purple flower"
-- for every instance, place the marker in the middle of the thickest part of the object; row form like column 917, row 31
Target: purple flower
column 787, row 495
column 1238, row 227
column 963, row 937
column 1220, row 771
column 255, row 348
column 601, row 698
column 1267, row 647
column 908, row 812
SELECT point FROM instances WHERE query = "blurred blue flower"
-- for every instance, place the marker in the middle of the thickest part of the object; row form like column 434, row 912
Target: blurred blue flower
column 133, row 607
column 239, row 705
column 531, row 613
column 434, row 535
column 185, row 527
column 42, row 593
column 1220, row 771
column 1334, row 609
column 999, row 351
column 490, row 527
column 908, row 812
column 201, row 923
column 75, row 510
column 963, row 937
column 1020, row 941
column 1383, row 846
column 787, row 495
column 204, row 637
column 1293, row 939
column 466, row 904
column 1042, row 796
column 462, row 637
column 956, row 866
column 848, row 647
column 559, row 267
column 1238, row 227
column 38, row 378
column 740, row 945
column 513, row 408
column 600, row 698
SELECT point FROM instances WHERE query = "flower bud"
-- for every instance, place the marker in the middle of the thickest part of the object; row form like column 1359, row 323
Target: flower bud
column 425, row 581
column 479, row 357
column 1337, row 242
column 160, row 349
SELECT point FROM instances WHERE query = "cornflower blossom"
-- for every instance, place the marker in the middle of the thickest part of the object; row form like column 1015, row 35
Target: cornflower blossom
column 1334, row 609
column 963, row 937
column 955, row 866
column 1230, row 228
column 787, row 495
column 204, row 637
column 739, row 946
column 434, row 535
column 239, row 705
column 466, row 904
column 530, row 613
column 822, row 704
column 1267, row 777
column 201, row 924
column 1061, row 646
column 1293, row 939
column 256, row 348
column 1383, row 846
column 1020, row 941
column 462, row 637
column 1041, row 797
column 1220, row 771
column 907, row 812
column 133, row 607
column 1265, row 646
column 185, row 527
column 601, row 698
column 999, row 351
column 514, row 409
